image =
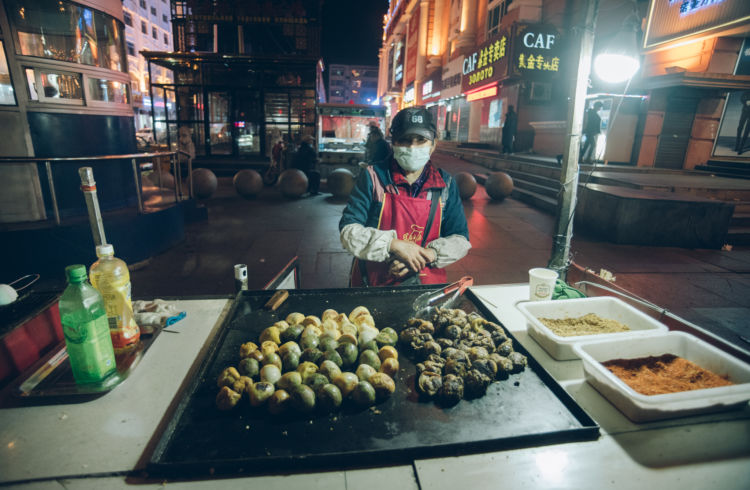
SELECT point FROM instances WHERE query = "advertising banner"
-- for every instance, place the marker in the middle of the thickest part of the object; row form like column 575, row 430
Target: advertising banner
column 536, row 52
column 733, row 138
column 398, row 66
column 451, row 83
column 412, row 47
column 431, row 87
column 487, row 64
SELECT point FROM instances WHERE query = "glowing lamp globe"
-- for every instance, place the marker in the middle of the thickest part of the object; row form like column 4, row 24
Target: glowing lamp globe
column 615, row 68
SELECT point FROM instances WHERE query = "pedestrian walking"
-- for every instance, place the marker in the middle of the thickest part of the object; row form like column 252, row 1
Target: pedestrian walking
column 404, row 221
column 306, row 159
column 592, row 126
column 376, row 147
column 509, row 130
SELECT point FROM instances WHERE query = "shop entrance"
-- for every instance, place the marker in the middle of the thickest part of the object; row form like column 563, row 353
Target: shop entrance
column 675, row 132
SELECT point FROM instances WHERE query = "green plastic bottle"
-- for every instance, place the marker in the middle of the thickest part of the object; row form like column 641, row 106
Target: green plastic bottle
column 86, row 329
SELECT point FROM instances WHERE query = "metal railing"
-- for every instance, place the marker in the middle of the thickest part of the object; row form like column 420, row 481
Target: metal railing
column 175, row 165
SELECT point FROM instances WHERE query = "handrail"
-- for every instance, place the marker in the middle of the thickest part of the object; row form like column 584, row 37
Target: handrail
column 85, row 159
column 174, row 163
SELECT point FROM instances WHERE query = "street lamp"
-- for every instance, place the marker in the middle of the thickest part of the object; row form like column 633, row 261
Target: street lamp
column 618, row 61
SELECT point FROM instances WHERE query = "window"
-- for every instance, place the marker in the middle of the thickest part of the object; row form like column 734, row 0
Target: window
column 142, row 3
column 164, row 18
column 7, row 97
column 144, row 27
column 131, row 48
column 108, row 91
column 166, row 39
column 153, row 33
column 62, row 30
column 55, row 86
column 495, row 13
column 128, row 19
column 153, row 11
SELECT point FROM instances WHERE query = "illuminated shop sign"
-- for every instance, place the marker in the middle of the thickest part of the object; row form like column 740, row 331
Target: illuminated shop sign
column 482, row 92
column 536, row 51
column 398, row 64
column 409, row 95
column 690, row 6
column 487, row 64
column 683, row 20
column 431, row 87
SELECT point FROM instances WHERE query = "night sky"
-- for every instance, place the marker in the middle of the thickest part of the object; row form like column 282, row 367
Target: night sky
column 352, row 31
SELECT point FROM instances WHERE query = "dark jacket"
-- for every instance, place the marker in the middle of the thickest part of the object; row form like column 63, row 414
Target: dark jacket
column 593, row 123
column 376, row 150
column 305, row 158
column 365, row 210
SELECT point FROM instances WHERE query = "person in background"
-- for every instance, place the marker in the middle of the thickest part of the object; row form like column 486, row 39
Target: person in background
column 592, row 126
column 306, row 159
column 376, row 148
column 509, row 130
column 404, row 221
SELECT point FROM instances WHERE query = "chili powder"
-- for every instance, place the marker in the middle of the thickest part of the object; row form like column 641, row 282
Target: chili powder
column 656, row 375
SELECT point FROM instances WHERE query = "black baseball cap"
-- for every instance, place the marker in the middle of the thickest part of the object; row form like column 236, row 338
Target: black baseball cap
column 413, row 121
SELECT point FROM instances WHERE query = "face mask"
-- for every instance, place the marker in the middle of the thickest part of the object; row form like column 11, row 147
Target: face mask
column 412, row 158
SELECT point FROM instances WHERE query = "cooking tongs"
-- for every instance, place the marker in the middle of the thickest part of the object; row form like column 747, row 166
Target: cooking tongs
column 428, row 300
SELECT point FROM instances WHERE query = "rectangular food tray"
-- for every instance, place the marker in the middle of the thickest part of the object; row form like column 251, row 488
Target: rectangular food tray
column 561, row 348
column 528, row 409
column 643, row 408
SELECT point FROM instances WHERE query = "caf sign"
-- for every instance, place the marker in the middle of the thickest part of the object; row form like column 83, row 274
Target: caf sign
column 539, row 40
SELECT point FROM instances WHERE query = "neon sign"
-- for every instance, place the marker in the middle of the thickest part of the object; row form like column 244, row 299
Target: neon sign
column 690, row 6
column 482, row 92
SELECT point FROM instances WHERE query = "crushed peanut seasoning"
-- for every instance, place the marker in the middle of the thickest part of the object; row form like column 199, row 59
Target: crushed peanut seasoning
column 590, row 324
column 664, row 374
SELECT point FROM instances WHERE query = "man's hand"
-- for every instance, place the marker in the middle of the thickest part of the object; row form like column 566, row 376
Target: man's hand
column 414, row 257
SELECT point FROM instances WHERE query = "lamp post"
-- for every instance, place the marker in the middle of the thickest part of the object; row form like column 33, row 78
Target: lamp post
column 566, row 200
column 616, row 63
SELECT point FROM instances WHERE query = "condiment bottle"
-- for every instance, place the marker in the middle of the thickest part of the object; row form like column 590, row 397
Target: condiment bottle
column 110, row 276
column 85, row 328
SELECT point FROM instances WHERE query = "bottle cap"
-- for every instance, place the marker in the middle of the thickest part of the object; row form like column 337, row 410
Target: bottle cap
column 105, row 249
column 75, row 273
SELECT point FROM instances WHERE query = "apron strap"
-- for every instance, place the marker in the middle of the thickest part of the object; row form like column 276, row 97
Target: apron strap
column 433, row 210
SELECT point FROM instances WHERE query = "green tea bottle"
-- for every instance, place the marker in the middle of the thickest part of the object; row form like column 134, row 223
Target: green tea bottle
column 86, row 329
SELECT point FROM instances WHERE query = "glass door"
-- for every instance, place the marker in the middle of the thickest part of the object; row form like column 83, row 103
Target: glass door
column 219, row 123
column 246, row 123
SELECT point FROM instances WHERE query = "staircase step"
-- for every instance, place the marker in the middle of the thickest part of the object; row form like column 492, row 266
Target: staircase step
column 740, row 220
column 538, row 201
column 738, row 236
column 536, row 188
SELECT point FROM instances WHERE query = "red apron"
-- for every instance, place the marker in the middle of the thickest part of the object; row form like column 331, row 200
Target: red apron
column 408, row 217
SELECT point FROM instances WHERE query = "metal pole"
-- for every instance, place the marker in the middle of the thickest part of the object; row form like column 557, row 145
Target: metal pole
column 53, row 195
column 137, row 185
column 88, row 186
column 566, row 201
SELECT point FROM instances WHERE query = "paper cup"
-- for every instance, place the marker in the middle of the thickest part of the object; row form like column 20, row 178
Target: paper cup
column 541, row 283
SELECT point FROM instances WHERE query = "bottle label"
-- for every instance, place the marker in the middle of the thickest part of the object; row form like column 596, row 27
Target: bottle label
column 117, row 303
column 90, row 350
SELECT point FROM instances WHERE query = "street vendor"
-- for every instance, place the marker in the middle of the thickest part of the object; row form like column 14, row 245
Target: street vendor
column 404, row 221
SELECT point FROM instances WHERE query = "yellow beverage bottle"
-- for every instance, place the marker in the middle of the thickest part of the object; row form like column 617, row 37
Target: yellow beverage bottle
column 110, row 276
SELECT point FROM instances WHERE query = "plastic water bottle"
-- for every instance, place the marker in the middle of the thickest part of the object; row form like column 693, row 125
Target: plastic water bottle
column 85, row 328
column 110, row 276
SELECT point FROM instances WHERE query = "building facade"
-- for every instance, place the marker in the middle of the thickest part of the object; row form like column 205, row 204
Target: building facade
column 352, row 84
column 469, row 60
column 65, row 92
column 245, row 74
column 148, row 27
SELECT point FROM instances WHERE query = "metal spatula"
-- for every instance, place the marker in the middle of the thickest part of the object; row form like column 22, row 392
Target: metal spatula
column 432, row 298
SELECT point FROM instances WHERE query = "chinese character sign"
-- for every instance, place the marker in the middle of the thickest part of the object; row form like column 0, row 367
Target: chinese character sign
column 536, row 51
column 487, row 64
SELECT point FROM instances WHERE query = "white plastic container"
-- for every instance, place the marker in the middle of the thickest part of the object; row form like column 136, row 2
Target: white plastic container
column 561, row 348
column 642, row 408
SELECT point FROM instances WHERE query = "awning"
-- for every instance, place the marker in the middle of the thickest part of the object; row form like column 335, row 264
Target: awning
column 698, row 80
column 177, row 60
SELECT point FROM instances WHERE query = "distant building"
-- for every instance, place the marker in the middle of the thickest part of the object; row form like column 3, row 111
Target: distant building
column 148, row 26
column 245, row 74
column 352, row 84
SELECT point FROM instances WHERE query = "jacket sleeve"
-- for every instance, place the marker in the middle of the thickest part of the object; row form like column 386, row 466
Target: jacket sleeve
column 453, row 243
column 362, row 241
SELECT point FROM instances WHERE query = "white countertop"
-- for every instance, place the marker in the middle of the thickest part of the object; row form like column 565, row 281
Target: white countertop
column 83, row 446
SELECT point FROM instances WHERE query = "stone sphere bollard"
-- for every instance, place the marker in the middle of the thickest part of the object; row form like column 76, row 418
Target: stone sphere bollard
column 204, row 183
column 467, row 184
column 341, row 183
column 499, row 185
column 293, row 183
column 248, row 183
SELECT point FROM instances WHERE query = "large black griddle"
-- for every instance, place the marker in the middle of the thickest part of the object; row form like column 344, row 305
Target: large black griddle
column 528, row 409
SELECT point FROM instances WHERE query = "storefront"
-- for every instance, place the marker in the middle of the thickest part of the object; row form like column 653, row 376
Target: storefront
column 233, row 106
column 452, row 104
